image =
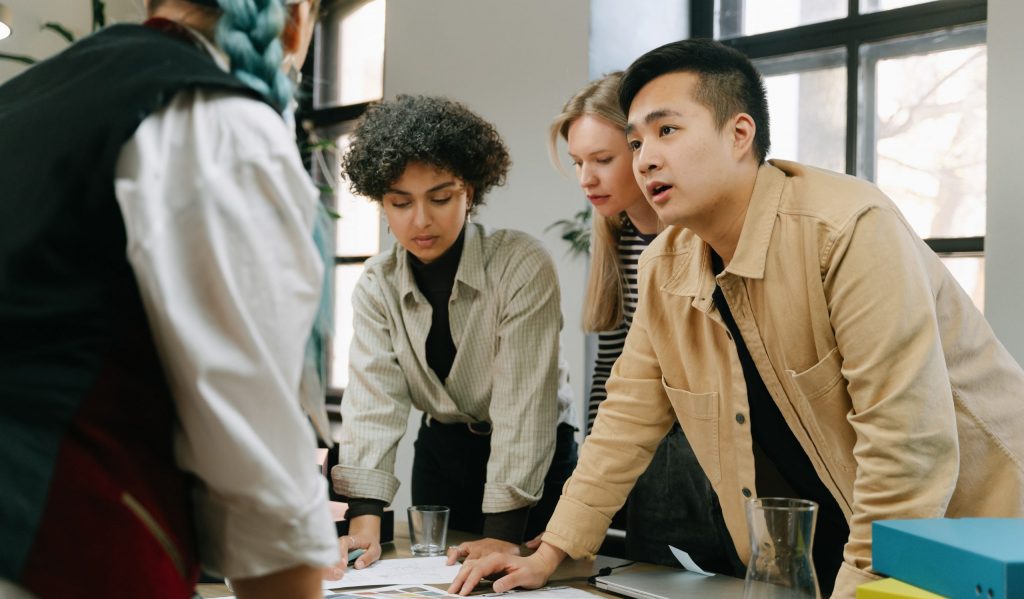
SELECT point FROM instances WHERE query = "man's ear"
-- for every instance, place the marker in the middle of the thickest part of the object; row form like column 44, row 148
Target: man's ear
column 743, row 131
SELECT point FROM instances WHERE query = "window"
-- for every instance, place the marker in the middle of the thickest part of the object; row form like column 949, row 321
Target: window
column 890, row 90
column 348, row 69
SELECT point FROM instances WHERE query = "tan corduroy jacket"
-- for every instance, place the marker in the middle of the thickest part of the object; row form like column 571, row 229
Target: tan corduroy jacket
column 890, row 378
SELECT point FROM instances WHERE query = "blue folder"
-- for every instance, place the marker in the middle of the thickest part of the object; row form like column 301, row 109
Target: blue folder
column 966, row 558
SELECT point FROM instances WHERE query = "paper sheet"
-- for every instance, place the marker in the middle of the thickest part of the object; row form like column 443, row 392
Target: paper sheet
column 399, row 591
column 687, row 562
column 414, row 570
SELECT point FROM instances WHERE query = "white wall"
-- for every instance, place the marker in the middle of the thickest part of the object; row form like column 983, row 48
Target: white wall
column 515, row 63
column 28, row 38
column 1004, row 241
column 621, row 31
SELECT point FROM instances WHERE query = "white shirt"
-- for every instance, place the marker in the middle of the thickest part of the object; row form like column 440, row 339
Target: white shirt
column 218, row 212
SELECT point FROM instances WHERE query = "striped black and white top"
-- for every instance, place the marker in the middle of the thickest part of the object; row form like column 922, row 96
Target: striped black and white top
column 610, row 343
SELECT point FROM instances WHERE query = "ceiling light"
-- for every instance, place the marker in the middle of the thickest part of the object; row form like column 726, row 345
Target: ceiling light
column 5, row 21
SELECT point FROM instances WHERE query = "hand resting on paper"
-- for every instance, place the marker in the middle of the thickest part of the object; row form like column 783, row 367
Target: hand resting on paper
column 530, row 572
column 477, row 549
column 364, row 533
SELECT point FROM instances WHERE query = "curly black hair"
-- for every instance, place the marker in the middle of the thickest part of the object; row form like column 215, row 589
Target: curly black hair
column 426, row 129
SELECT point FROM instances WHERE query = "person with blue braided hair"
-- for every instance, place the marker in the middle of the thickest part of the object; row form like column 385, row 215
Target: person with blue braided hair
column 163, row 300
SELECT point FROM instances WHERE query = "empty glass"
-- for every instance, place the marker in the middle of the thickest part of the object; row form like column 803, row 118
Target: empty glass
column 781, row 534
column 428, row 528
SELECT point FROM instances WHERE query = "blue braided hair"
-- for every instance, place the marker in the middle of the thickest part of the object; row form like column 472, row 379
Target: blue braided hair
column 249, row 32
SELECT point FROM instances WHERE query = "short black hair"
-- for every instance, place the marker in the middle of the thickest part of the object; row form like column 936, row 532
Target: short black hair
column 428, row 129
column 728, row 82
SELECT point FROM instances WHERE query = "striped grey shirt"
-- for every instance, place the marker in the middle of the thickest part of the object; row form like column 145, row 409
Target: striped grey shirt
column 610, row 343
column 505, row 318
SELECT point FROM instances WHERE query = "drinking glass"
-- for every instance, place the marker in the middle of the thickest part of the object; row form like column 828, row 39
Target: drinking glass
column 781, row 534
column 428, row 528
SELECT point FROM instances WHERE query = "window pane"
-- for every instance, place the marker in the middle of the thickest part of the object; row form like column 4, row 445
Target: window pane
column 735, row 18
column 358, row 228
column 807, row 107
column 345, row 278
column 867, row 6
column 350, row 52
column 925, row 145
column 969, row 271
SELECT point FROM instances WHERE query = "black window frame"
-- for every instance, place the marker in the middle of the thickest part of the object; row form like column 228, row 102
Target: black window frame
column 327, row 123
column 853, row 32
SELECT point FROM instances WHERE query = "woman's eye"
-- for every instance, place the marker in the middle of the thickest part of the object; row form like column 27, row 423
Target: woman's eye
column 634, row 145
column 401, row 204
column 607, row 160
column 666, row 129
column 443, row 200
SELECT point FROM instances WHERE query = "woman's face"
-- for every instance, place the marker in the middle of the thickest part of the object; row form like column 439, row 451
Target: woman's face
column 426, row 209
column 604, row 164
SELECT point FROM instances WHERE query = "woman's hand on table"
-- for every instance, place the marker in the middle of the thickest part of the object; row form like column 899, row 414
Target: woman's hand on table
column 530, row 572
column 364, row 534
column 482, row 548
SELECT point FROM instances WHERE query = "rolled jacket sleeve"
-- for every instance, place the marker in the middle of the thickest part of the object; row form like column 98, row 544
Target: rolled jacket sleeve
column 218, row 212
column 630, row 424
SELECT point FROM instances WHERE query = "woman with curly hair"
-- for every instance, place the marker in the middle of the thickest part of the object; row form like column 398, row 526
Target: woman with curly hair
column 460, row 321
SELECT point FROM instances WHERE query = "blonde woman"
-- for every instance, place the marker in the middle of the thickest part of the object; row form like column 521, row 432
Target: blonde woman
column 672, row 503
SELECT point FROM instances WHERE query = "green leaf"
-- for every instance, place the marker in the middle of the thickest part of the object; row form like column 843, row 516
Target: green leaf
column 18, row 58
column 60, row 30
column 99, row 15
column 575, row 231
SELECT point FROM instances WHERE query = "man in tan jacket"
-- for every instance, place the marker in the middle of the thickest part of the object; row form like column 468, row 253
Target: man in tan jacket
column 806, row 339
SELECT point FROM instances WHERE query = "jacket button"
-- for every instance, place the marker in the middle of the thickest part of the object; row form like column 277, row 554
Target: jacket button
column 741, row 418
column 746, row 492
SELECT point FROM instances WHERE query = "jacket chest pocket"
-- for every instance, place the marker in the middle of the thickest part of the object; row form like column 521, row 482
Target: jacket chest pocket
column 698, row 415
column 824, row 406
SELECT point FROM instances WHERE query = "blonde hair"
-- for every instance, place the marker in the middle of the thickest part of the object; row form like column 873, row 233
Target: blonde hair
column 603, row 303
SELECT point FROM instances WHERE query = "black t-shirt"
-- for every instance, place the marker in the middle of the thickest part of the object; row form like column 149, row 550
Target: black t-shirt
column 773, row 435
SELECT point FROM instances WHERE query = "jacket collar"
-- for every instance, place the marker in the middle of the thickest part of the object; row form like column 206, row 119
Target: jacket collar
column 694, row 277
column 470, row 272
column 752, row 248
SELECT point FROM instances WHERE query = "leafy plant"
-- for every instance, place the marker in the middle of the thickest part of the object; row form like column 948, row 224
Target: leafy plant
column 575, row 231
column 321, row 153
column 99, row 20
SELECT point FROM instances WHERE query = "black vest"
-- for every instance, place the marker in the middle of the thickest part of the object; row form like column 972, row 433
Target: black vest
column 79, row 373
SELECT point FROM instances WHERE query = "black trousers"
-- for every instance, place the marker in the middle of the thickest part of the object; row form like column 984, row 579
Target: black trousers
column 450, row 468
column 673, row 504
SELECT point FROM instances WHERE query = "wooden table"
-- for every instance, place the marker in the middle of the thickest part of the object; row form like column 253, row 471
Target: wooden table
column 572, row 573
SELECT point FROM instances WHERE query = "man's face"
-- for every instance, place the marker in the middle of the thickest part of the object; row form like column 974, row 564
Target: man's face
column 681, row 160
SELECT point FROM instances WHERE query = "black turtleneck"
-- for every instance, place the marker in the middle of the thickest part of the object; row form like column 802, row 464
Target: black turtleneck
column 436, row 280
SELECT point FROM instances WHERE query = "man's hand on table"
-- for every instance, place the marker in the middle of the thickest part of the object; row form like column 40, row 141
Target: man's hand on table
column 527, row 572
column 364, row 533
column 482, row 548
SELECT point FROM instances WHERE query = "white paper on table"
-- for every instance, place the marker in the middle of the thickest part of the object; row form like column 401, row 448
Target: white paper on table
column 687, row 562
column 413, row 570
column 546, row 593
column 414, row 591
